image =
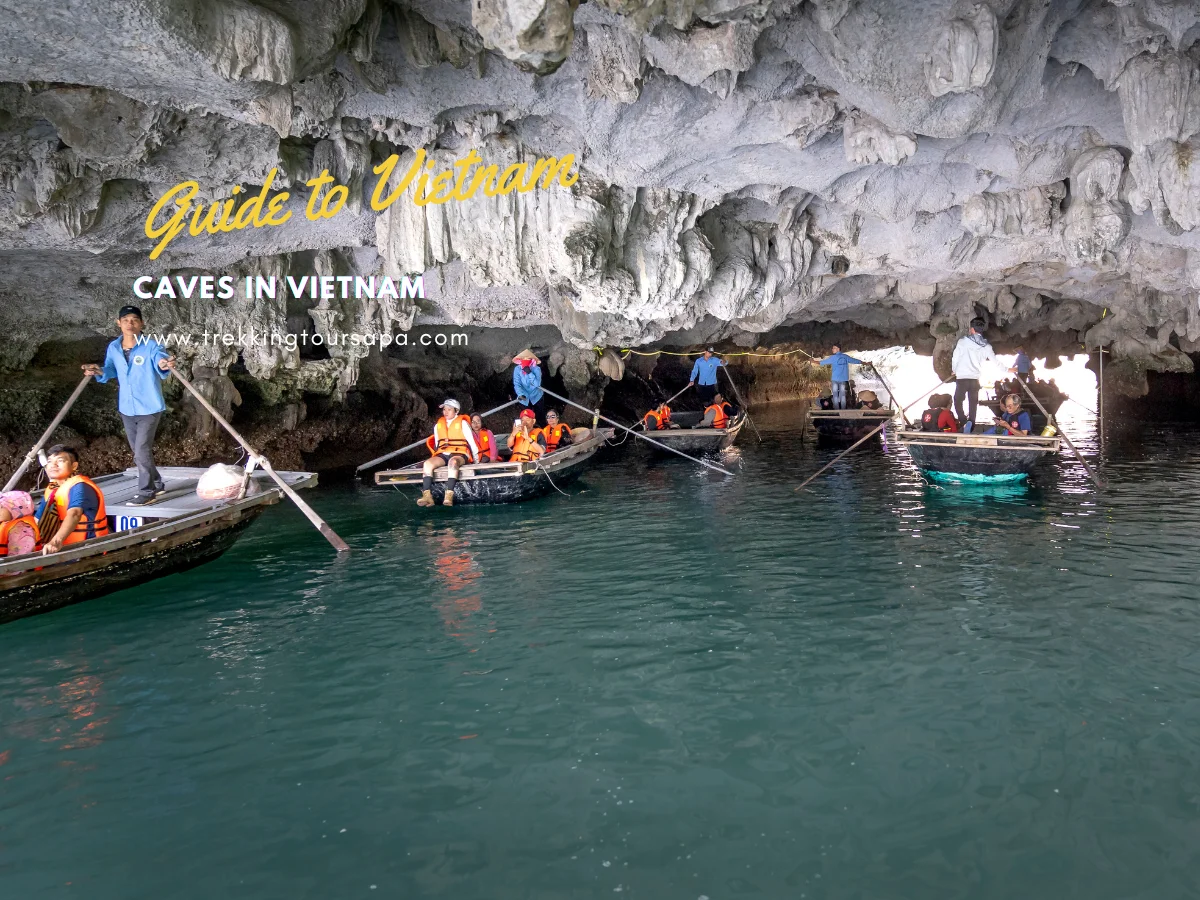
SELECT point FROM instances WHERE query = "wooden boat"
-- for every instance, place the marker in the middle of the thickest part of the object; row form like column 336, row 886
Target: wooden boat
column 687, row 439
column 1046, row 391
column 976, row 457
column 145, row 542
column 847, row 425
column 507, row 482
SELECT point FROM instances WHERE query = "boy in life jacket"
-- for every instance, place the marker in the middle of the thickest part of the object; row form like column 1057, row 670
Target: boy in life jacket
column 76, row 499
column 526, row 441
column 658, row 419
column 489, row 450
column 18, row 527
column 556, row 434
column 454, row 446
column 939, row 417
column 717, row 415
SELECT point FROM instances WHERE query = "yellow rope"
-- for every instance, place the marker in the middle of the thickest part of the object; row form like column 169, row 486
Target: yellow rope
column 626, row 351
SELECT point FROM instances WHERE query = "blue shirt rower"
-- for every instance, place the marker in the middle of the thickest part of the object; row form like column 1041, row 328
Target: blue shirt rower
column 704, row 376
column 839, row 364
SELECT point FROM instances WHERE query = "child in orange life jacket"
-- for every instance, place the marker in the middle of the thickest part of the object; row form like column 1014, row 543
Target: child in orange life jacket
column 526, row 442
column 454, row 446
column 18, row 527
column 79, row 502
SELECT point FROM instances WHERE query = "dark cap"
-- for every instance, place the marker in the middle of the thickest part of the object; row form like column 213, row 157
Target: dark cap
column 129, row 311
column 709, row 350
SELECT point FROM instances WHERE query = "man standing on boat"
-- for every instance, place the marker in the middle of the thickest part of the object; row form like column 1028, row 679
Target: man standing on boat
column 839, row 364
column 704, row 376
column 454, row 446
column 140, row 365
column 970, row 354
column 527, row 383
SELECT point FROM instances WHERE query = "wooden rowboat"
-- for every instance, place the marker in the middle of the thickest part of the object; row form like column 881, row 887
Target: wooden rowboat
column 846, row 425
column 506, row 482
column 178, row 532
column 687, row 439
column 976, row 457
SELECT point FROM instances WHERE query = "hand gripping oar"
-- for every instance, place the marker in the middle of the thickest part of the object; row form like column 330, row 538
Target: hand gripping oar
column 741, row 403
column 62, row 414
column 636, row 434
column 1051, row 420
column 329, row 534
column 405, row 449
column 868, row 436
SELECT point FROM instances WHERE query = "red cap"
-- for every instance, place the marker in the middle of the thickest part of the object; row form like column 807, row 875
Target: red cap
column 528, row 414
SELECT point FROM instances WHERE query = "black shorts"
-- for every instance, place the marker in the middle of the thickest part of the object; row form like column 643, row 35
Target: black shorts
column 448, row 457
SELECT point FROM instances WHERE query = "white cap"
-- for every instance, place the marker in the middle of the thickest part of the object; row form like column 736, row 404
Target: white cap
column 452, row 402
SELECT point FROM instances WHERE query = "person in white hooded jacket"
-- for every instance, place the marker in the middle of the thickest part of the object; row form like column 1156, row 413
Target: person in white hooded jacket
column 970, row 354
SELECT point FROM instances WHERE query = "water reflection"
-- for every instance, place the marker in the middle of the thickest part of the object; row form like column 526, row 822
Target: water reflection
column 458, row 575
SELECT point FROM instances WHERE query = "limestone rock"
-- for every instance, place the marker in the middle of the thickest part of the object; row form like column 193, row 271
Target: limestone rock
column 868, row 141
column 964, row 53
column 535, row 34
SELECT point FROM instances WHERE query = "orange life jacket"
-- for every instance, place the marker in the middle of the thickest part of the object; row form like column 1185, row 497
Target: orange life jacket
column 60, row 496
column 659, row 420
column 553, row 434
column 6, row 527
column 452, row 437
column 523, row 447
column 487, row 444
column 721, row 419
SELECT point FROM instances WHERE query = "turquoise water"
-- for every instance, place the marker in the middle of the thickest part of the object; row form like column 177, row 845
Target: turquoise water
column 668, row 685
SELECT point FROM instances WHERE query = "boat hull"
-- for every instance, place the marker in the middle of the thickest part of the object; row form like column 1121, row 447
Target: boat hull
column 976, row 457
column 505, row 482
column 690, row 440
column 177, row 534
column 847, row 425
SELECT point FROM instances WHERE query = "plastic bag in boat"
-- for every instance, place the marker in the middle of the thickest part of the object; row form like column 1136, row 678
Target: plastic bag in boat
column 224, row 482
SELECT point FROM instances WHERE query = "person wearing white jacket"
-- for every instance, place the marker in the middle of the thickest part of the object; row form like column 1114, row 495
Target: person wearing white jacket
column 970, row 354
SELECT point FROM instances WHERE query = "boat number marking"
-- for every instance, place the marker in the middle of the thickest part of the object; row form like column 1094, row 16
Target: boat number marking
column 125, row 523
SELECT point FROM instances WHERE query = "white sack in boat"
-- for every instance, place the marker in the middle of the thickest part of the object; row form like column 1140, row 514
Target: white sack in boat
column 223, row 482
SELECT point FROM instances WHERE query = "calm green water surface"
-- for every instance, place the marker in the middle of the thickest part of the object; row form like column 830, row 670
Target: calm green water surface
column 667, row 685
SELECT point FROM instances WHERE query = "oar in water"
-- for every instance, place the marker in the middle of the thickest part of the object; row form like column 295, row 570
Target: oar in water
column 1051, row 420
column 328, row 533
column 741, row 403
column 62, row 414
column 636, row 434
column 406, row 448
column 868, row 436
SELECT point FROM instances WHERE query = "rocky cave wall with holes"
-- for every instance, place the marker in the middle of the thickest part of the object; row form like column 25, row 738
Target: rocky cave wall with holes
column 749, row 169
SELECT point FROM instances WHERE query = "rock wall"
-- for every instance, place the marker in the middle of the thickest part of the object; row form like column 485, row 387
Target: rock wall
column 745, row 168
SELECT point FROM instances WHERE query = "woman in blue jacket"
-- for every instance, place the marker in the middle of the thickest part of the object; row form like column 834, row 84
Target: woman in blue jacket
column 140, row 365
column 527, row 384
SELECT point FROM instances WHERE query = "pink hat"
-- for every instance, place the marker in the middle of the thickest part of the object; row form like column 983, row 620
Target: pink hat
column 18, row 503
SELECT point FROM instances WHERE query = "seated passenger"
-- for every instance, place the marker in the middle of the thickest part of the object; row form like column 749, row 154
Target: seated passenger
column 939, row 417
column 18, row 527
column 825, row 401
column 526, row 441
column 453, row 445
column 1015, row 420
column 556, row 434
column 868, row 400
column 485, row 441
column 715, row 416
column 77, row 502
column 658, row 418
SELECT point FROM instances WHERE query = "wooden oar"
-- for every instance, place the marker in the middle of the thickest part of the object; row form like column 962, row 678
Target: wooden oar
column 1052, row 421
column 62, row 414
column 406, row 448
column 636, row 434
column 741, row 403
column 328, row 533
column 642, row 421
column 867, row 437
